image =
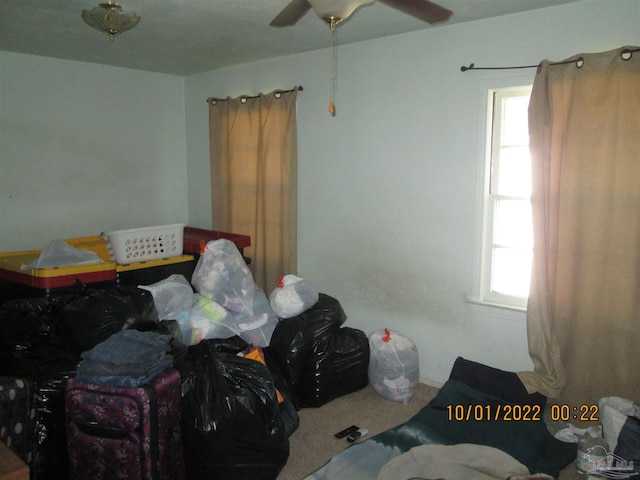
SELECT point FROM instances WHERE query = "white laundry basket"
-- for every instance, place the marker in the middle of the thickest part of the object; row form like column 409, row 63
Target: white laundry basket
column 149, row 243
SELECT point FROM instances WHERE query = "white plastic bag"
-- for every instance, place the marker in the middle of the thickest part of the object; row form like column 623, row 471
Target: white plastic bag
column 621, row 429
column 393, row 365
column 59, row 253
column 207, row 320
column 258, row 329
column 292, row 296
column 173, row 296
column 222, row 275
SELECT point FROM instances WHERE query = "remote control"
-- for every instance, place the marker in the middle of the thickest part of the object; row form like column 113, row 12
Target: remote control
column 356, row 435
column 346, row 431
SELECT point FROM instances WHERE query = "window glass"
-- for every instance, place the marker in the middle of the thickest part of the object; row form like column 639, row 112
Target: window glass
column 513, row 227
column 507, row 278
column 514, row 174
column 508, row 233
column 516, row 122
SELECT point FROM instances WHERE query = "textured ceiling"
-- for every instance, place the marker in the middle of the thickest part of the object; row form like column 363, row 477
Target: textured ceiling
column 184, row 37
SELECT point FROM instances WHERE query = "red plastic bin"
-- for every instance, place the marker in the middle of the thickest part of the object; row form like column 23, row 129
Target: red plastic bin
column 195, row 239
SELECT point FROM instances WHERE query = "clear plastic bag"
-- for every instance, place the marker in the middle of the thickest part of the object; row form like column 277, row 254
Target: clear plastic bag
column 292, row 296
column 393, row 367
column 207, row 320
column 258, row 329
column 59, row 253
column 223, row 276
column 620, row 419
column 172, row 296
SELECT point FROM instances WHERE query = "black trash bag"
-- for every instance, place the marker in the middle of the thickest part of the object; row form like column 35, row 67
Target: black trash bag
column 338, row 365
column 33, row 332
column 288, row 408
column 289, row 414
column 233, row 345
column 185, row 364
column 293, row 338
column 50, row 459
column 96, row 314
column 232, row 428
column 39, row 412
column 36, row 346
column 40, row 361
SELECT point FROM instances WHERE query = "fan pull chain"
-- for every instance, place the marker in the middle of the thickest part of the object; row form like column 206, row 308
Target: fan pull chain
column 334, row 68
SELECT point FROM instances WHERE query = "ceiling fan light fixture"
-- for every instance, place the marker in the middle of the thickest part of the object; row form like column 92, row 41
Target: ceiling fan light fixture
column 108, row 17
column 336, row 10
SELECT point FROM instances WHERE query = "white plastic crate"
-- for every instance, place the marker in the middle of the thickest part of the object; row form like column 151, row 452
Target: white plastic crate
column 149, row 243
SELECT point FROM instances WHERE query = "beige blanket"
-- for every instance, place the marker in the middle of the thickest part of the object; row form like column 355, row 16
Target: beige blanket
column 454, row 462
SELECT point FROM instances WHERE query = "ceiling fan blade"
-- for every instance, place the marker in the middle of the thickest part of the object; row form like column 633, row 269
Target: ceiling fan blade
column 423, row 9
column 294, row 11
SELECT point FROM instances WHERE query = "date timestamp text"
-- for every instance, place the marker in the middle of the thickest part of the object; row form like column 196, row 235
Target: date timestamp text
column 505, row 413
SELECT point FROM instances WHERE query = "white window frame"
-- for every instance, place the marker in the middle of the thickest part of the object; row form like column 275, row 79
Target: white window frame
column 483, row 293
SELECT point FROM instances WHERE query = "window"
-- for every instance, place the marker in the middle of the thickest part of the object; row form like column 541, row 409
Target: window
column 507, row 249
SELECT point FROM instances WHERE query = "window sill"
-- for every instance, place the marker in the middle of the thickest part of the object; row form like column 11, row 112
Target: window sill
column 482, row 307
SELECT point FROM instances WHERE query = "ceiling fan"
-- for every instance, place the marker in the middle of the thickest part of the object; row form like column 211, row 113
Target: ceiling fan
column 335, row 11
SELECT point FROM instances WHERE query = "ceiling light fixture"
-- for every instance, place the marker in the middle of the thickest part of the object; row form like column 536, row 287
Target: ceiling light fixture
column 109, row 18
column 336, row 11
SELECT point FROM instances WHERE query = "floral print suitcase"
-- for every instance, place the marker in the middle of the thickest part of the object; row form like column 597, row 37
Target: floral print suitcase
column 133, row 433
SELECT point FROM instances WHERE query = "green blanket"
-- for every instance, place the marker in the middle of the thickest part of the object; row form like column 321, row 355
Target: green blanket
column 528, row 441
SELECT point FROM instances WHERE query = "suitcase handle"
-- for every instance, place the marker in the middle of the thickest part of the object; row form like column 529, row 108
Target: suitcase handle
column 96, row 430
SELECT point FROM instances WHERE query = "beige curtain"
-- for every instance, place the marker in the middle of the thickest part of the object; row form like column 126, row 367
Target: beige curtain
column 584, row 308
column 253, row 145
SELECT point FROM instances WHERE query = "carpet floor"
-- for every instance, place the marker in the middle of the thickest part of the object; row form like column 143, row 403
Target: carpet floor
column 313, row 443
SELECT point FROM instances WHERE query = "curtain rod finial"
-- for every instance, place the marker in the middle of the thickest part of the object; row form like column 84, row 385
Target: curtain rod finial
column 464, row 69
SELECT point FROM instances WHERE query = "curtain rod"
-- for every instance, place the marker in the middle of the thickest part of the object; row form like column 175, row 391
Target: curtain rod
column 277, row 94
column 625, row 54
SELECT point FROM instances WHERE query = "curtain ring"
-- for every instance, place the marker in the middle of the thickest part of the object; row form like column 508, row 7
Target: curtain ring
column 579, row 62
column 626, row 54
column 243, row 99
column 277, row 94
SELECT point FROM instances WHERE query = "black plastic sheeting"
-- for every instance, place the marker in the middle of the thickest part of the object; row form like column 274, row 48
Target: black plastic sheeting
column 42, row 340
column 33, row 331
column 35, row 345
column 232, row 427
column 51, row 459
column 96, row 314
column 235, row 345
column 337, row 365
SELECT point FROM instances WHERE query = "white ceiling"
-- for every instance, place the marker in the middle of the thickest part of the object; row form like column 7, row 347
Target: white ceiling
column 184, row 37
